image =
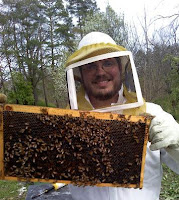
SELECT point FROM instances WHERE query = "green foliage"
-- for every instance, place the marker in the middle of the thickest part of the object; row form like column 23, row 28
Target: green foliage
column 170, row 185
column 108, row 22
column 22, row 92
column 80, row 8
column 58, row 25
column 59, row 81
column 166, row 104
column 32, row 36
column 42, row 103
column 171, row 101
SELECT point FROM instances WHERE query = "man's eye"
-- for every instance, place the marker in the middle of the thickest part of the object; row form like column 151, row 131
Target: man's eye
column 108, row 64
column 90, row 67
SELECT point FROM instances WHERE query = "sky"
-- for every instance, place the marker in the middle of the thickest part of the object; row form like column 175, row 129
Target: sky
column 134, row 10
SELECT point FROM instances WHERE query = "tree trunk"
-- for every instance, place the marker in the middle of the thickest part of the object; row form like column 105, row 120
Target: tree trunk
column 43, row 85
column 35, row 95
column 2, row 82
column 43, row 77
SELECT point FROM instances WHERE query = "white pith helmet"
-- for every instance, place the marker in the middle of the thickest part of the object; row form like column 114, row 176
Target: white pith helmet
column 97, row 46
column 95, row 38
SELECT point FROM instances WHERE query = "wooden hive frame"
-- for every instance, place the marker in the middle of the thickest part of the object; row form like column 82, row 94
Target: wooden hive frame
column 76, row 114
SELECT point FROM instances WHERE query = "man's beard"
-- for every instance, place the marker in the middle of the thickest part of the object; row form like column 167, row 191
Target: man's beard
column 100, row 95
column 107, row 96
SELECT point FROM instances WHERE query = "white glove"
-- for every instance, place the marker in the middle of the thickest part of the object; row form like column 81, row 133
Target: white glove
column 164, row 133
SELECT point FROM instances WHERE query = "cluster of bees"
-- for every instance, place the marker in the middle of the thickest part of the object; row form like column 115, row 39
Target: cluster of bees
column 84, row 150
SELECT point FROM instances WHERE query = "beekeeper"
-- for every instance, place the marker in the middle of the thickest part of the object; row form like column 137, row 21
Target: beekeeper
column 101, row 76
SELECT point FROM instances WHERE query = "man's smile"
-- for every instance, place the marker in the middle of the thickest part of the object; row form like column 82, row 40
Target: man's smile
column 102, row 83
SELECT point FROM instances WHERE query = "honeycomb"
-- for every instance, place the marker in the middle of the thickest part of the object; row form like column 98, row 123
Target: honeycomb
column 82, row 150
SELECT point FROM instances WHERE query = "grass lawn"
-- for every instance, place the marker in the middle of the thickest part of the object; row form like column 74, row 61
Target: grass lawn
column 170, row 185
column 9, row 190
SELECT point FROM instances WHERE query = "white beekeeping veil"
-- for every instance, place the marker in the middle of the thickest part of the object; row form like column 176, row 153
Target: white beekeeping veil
column 97, row 46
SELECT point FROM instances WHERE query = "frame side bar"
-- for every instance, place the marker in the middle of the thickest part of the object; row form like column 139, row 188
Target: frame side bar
column 1, row 144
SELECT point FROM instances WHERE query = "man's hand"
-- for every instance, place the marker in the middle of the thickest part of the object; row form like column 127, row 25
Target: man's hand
column 164, row 133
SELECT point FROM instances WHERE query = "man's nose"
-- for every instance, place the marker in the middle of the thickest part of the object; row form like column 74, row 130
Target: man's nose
column 100, row 69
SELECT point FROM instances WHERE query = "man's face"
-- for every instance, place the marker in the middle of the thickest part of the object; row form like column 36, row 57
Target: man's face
column 102, row 79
